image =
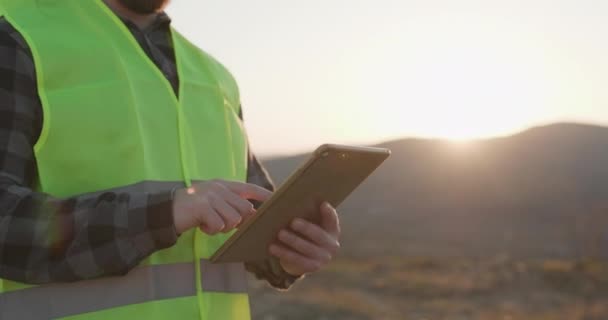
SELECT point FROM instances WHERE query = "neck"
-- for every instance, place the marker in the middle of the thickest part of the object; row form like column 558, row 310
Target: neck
column 140, row 20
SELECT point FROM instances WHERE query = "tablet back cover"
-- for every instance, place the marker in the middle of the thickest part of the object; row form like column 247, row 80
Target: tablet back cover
column 331, row 174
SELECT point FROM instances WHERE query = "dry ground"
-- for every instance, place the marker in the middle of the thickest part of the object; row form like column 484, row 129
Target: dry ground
column 437, row 289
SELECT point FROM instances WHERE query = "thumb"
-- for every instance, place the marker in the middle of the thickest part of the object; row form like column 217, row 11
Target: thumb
column 329, row 219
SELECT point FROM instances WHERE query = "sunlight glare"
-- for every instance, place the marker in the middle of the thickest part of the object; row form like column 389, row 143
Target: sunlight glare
column 458, row 82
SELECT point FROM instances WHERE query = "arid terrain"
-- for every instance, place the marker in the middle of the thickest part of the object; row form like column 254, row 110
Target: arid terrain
column 458, row 289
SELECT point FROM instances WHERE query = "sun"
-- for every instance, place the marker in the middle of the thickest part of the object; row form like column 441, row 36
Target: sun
column 459, row 134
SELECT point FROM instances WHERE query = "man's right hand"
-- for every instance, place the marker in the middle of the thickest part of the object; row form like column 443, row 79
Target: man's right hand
column 215, row 206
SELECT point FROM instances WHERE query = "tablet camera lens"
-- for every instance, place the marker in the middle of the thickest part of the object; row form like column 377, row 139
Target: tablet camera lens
column 343, row 156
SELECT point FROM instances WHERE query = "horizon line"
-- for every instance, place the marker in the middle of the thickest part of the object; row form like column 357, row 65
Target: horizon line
column 388, row 140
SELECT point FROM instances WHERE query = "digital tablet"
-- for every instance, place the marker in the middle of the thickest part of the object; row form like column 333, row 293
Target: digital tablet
column 330, row 174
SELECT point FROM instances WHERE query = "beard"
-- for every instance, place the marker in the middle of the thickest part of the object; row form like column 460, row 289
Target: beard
column 144, row 6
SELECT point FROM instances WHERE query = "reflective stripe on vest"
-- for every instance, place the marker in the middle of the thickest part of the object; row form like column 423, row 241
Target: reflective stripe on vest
column 142, row 284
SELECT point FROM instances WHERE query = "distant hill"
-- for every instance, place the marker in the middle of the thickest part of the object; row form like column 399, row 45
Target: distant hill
column 540, row 193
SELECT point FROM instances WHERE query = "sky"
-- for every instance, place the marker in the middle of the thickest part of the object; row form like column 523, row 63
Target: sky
column 366, row 71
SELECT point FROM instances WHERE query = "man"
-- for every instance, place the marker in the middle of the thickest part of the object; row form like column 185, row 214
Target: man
column 123, row 166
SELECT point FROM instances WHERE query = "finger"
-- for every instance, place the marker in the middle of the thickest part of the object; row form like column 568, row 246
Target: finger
column 304, row 247
column 231, row 218
column 294, row 258
column 329, row 219
column 244, row 207
column 212, row 223
column 316, row 234
column 248, row 190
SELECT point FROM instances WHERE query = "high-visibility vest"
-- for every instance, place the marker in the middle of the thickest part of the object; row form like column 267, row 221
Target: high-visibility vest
column 113, row 121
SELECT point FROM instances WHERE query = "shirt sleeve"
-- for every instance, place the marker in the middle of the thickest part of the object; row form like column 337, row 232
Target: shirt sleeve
column 44, row 239
column 270, row 269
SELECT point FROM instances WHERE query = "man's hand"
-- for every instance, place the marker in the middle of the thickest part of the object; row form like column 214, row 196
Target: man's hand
column 306, row 247
column 215, row 206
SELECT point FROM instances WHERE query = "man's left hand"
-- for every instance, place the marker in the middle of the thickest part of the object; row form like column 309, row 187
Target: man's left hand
column 306, row 247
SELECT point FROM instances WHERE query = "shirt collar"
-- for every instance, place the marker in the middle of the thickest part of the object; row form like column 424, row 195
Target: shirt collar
column 162, row 20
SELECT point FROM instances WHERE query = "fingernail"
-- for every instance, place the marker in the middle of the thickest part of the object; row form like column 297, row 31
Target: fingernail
column 298, row 223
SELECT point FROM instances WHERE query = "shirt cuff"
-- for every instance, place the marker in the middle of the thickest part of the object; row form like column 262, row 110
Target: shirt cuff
column 151, row 223
column 271, row 271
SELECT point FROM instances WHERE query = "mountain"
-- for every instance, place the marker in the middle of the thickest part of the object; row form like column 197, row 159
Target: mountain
column 542, row 193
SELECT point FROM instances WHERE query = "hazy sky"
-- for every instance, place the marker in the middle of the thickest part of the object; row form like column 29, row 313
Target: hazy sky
column 360, row 71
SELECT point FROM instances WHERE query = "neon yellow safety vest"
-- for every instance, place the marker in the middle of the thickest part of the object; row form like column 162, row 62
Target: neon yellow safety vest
column 112, row 120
